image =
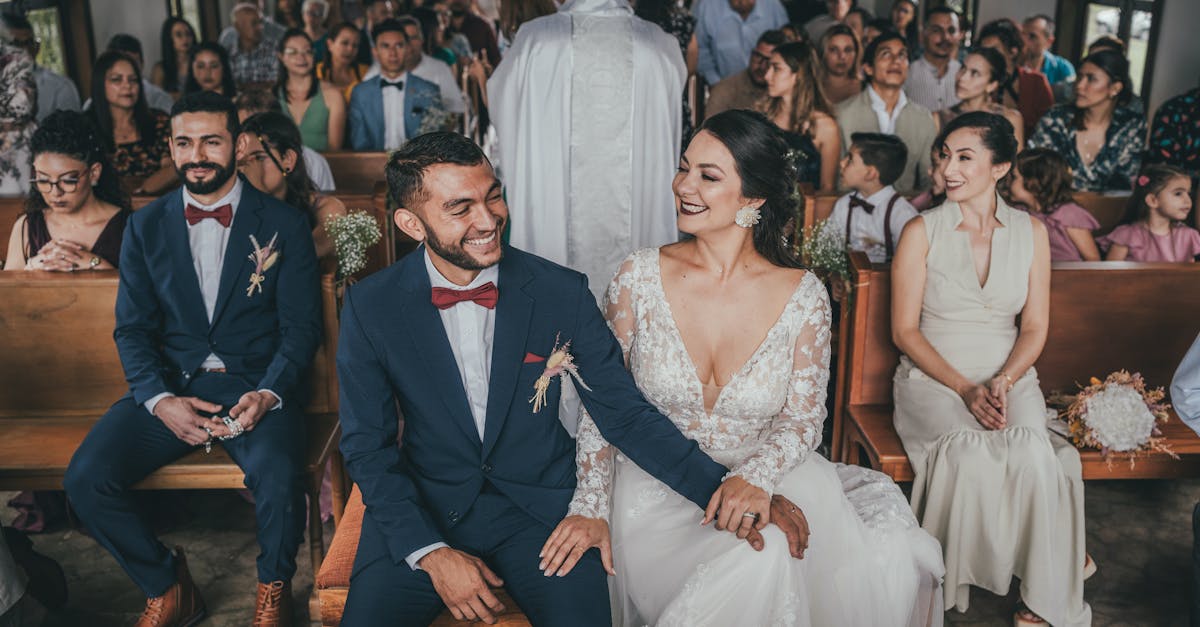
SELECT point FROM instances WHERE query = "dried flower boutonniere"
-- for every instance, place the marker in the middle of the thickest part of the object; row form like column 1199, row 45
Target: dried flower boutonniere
column 559, row 364
column 263, row 257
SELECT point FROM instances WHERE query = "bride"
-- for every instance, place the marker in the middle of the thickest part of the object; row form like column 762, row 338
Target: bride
column 730, row 339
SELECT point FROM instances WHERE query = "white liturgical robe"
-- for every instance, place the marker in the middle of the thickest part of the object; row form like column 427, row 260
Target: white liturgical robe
column 587, row 109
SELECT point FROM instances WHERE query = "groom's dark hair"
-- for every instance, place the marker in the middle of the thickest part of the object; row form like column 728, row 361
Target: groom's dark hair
column 407, row 166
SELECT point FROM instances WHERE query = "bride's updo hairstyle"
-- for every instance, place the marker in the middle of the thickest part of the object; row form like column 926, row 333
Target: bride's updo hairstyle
column 760, row 155
column 995, row 132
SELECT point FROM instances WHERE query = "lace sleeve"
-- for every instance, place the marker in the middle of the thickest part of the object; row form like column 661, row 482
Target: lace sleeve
column 593, row 454
column 797, row 428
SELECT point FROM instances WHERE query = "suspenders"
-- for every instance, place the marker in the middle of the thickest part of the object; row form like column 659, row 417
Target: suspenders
column 887, row 225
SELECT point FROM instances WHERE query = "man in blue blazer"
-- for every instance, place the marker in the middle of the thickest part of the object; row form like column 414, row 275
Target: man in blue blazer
column 387, row 109
column 218, row 317
column 456, row 335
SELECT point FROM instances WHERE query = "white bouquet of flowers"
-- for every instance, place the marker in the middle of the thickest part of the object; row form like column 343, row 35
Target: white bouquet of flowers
column 1118, row 415
column 352, row 234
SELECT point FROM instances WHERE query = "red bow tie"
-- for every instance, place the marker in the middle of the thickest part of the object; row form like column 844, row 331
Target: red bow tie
column 222, row 214
column 855, row 201
column 485, row 295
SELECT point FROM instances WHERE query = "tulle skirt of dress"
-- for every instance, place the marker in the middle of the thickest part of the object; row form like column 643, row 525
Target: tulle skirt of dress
column 868, row 562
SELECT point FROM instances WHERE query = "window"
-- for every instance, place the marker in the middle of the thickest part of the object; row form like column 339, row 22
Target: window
column 47, row 29
column 189, row 10
column 1132, row 21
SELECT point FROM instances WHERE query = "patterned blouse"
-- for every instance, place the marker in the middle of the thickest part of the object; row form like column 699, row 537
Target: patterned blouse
column 18, row 107
column 1175, row 135
column 1119, row 160
column 144, row 157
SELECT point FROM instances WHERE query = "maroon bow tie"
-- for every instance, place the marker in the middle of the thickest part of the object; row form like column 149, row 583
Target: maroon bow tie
column 485, row 295
column 222, row 214
column 855, row 201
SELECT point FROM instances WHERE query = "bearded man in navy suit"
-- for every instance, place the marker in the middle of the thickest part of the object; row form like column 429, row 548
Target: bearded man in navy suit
column 218, row 317
column 458, row 334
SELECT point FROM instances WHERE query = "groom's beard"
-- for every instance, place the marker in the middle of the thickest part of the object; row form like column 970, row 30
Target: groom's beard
column 455, row 252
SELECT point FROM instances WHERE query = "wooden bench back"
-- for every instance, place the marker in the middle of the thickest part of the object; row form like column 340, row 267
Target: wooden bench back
column 818, row 207
column 1107, row 208
column 59, row 358
column 11, row 208
column 357, row 172
column 1104, row 316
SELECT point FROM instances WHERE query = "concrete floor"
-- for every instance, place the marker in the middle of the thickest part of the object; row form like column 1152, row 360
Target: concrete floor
column 1139, row 532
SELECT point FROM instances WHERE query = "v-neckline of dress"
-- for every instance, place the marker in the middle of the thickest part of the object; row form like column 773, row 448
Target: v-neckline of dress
column 697, row 384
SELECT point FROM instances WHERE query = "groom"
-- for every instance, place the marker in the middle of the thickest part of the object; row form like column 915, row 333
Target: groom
column 457, row 336
column 204, row 331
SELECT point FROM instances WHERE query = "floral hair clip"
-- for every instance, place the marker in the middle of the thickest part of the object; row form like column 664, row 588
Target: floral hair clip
column 1143, row 180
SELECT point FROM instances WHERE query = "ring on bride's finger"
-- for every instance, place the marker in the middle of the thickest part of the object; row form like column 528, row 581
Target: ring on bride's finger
column 750, row 515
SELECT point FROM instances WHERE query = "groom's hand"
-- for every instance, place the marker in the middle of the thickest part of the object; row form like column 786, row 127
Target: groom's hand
column 465, row 584
column 570, row 540
column 180, row 415
column 739, row 507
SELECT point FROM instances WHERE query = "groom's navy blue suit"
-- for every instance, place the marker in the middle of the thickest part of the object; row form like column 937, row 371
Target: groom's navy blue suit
column 265, row 340
column 498, row 498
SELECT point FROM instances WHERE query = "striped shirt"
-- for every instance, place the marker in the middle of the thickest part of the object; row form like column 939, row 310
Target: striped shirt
column 926, row 89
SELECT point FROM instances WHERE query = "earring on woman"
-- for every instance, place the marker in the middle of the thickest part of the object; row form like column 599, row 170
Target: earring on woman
column 747, row 217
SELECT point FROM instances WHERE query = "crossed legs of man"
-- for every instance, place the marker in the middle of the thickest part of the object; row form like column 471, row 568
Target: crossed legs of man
column 128, row 443
column 508, row 540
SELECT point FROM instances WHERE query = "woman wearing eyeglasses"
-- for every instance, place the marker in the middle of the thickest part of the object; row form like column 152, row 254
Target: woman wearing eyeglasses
column 269, row 156
column 317, row 107
column 75, row 213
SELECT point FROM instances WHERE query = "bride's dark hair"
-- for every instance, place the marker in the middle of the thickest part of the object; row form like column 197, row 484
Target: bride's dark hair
column 760, row 153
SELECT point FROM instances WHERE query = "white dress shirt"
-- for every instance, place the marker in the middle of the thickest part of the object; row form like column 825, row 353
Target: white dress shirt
column 1185, row 388
column 55, row 93
column 470, row 327
column 887, row 123
column 867, row 232
column 437, row 72
column 925, row 88
column 393, row 113
column 318, row 170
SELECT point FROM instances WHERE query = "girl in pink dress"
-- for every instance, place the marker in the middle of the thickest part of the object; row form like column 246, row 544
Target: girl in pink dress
column 935, row 195
column 1041, row 183
column 1153, row 228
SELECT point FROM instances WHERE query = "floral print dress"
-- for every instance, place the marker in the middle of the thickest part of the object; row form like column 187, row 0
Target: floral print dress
column 18, row 110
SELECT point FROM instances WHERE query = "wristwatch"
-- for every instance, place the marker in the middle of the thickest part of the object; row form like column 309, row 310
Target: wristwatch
column 95, row 261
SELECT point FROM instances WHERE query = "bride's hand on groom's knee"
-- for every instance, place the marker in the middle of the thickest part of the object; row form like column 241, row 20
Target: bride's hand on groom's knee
column 739, row 507
column 570, row 540
column 464, row 583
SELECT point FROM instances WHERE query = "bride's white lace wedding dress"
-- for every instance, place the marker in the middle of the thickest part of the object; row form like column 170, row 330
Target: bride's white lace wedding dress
column 868, row 562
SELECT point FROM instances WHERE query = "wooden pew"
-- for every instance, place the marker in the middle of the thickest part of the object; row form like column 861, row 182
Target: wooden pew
column 1107, row 207
column 357, row 172
column 56, row 331
column 1104, row 316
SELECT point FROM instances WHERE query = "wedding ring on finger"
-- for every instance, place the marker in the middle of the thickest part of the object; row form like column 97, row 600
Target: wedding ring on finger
column 750, row 515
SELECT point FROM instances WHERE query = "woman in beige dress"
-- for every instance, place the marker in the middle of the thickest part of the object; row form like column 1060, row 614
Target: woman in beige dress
column 991, row 484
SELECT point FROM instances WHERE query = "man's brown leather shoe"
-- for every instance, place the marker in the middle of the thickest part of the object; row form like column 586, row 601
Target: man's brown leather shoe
column 273, row 608
column 180, row 605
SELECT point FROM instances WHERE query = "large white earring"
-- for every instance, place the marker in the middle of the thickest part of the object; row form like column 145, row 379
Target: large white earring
column 747, row 217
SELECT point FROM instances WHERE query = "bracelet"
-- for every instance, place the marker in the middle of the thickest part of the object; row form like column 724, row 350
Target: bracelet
column 1007, row 378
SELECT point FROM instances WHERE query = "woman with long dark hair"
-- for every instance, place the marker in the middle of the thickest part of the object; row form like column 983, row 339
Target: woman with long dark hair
column 339, row 66
column 177, row 38
column 75, row 213
column 134, row 135
column 977, row 85
column 796, row 103
column 1101, row 139
column 729, row 337
column 270, row 156
column 209, row 70
column 317, row 107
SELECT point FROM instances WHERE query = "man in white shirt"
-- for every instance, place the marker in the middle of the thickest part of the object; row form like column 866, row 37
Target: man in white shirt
column 55, row 92
column 433, row 70
column 213, row 347
column 387, row 109
column 931, row 78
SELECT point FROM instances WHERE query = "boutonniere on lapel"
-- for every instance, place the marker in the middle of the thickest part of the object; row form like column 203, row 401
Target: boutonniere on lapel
column 560, row 363
column 263, row 257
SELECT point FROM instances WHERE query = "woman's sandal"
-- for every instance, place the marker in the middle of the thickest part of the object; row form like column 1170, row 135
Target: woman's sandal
column 1089, row 566
column 1026, row 618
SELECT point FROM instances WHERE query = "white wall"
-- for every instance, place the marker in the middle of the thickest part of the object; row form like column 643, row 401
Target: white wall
column 1177, row 60
column 1018, row 10
column 141, row 18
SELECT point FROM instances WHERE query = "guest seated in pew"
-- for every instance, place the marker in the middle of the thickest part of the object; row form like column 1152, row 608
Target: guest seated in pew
column 1040, row 182
column 1101, row 139
column 339, row 65
column 977, row 86
column 1026, row 90
column 177, row 38
column 76, row 212
column 744, row 89
column 936, row 194
column 387, row 109
column 134, row 136
column 268, row 152
column 1175, row 133
column 254, row 101
column 1153, row 227
column 210, row 71
column 317, row 107
column 1002, row 495
column 874, row 162
column 796, row 103
column 840, row 55
column 214, row 345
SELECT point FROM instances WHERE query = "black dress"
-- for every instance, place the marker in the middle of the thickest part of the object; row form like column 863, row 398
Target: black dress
column 107, row 246
column 805, row 157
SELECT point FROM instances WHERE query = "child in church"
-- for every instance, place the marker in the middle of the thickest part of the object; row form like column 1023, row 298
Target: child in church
column 1041, row 183
column 872, row 216
column 936, row 194
column 1154, row 228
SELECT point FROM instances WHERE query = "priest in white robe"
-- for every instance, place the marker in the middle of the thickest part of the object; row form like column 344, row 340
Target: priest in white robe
column 586, row 105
